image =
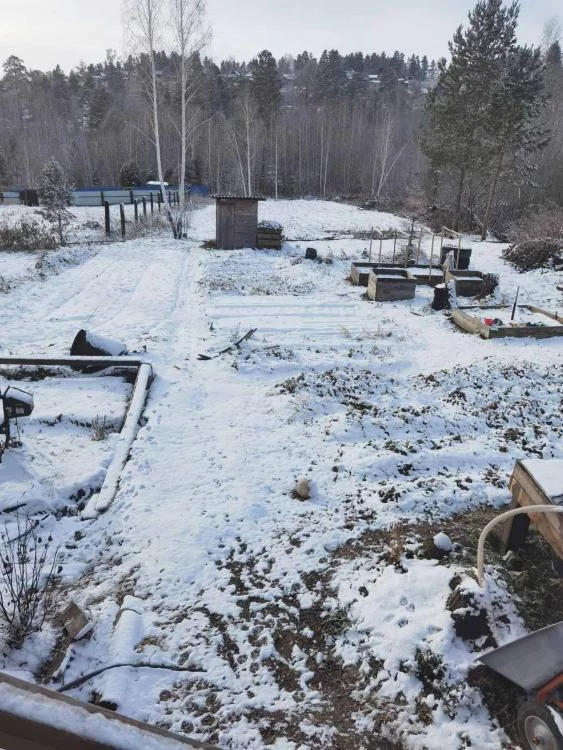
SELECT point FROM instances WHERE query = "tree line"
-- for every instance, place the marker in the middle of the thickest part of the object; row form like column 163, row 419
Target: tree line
column 480, row 134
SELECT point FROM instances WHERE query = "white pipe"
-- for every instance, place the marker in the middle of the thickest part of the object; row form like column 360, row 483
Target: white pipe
column 101, row 502
column 529, row 509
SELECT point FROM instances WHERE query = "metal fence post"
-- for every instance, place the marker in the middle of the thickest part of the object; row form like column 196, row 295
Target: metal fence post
column 152, row 204
column 144, row 207
column 131, row 196
column 136, row 204
column 122, row 217
column 106, row 218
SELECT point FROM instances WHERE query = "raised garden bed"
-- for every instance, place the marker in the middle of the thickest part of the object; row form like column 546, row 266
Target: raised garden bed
column 387, row 284
column 426, row 274
column 467, row 283
column 359, row 271
column 529, row 321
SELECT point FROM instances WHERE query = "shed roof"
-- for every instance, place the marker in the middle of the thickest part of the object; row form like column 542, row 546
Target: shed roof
column 239, row 197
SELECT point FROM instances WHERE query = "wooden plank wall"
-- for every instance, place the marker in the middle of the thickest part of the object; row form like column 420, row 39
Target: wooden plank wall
column 246, row 223
column 236, row 223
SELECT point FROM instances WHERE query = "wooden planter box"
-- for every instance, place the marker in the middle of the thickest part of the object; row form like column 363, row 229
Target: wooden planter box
column 359, row 271
column 467, row 320
column 528, row 491
column 426, row 274
column 467, row 283
column 388, row 284
column 35, row 718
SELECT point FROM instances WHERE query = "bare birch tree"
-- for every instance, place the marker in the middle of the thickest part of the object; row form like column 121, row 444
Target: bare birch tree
column 189, row 37
column 144, row 24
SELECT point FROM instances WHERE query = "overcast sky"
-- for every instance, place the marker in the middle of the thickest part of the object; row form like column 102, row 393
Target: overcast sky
column 67, row 31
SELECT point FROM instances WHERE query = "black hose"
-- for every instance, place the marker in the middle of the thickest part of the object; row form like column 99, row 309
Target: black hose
column 142, row 664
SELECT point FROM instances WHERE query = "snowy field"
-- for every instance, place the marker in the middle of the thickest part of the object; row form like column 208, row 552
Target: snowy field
column 322, row 623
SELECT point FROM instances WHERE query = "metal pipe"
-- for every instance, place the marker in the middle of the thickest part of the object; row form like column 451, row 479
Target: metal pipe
column 101, row 502
column 529, row 510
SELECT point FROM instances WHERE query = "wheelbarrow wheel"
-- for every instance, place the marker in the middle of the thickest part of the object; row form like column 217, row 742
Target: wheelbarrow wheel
column 537, row 728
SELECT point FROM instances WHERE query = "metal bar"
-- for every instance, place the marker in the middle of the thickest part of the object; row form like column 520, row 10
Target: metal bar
column 380, row 248
column 106, row 218
column 73, row 361
column 544, row 693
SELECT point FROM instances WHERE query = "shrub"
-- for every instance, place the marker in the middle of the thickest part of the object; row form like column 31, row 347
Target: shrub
column 27, row 581
column 27, row 234
column 55, row 193
column 130, row 175
column 537, row 241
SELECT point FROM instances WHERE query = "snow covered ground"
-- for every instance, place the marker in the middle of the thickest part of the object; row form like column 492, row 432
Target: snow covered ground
column 323, row 623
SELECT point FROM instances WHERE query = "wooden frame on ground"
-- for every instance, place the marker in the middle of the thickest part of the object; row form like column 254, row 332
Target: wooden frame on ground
column 473, row 324
column 101, row 501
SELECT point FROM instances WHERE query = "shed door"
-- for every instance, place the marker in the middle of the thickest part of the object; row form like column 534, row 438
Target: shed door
column 226, row 226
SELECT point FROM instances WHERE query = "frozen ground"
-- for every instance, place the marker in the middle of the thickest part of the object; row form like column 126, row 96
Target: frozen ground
column 325, row 623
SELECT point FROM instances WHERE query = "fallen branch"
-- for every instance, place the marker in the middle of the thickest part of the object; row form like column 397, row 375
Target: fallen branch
column 229, row 348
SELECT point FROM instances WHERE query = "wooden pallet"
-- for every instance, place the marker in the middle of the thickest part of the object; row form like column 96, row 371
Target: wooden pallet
column 269, row 238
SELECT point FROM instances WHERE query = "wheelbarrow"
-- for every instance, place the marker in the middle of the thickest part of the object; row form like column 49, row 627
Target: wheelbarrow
column 535, row 663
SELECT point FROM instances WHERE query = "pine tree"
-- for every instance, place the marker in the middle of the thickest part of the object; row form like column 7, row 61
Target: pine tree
column 130, row 175
column 266, row 85
column 483, row 107
column 55, row 193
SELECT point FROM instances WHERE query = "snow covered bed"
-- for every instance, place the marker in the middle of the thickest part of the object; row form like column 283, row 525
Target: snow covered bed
column 495, row 322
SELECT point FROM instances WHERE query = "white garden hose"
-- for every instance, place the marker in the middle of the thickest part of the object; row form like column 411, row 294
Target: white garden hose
column 530, row 510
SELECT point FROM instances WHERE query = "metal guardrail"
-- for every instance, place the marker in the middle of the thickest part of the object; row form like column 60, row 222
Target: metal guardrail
column 100, row 197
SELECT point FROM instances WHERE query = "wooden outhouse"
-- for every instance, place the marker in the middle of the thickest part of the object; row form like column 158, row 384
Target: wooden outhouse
column 236, row 221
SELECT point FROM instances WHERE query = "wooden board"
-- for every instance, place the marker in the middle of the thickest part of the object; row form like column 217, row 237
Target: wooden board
column 21, row 729
column 472, row 324
column 526, row 492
